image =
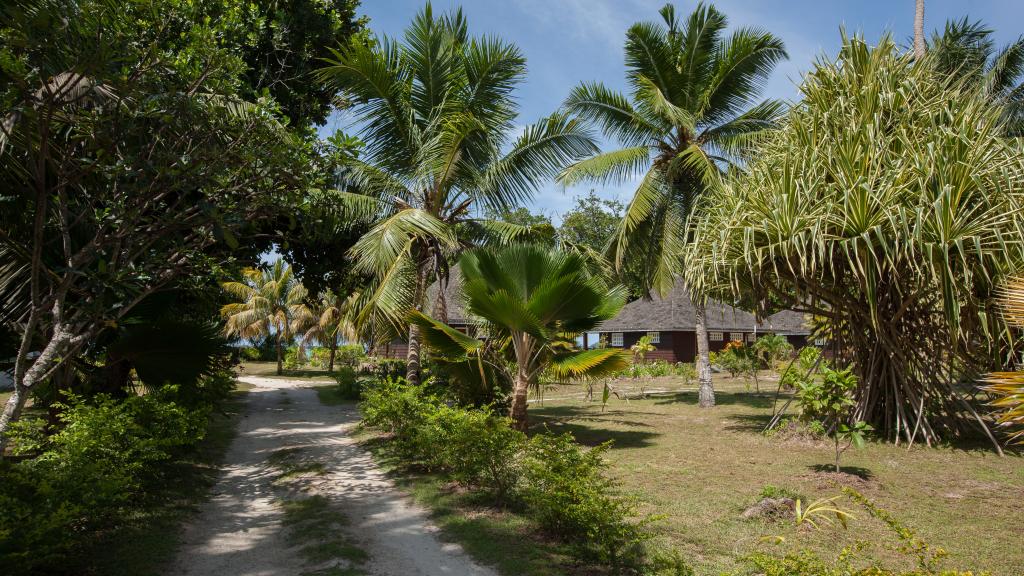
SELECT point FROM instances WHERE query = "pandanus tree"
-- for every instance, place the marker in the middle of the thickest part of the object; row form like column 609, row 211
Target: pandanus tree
column 328, row 321
column 269, row 302
column 694, row 113
column 532, row 302
column 887, row 205
column 1007, row 388
column 436, row 113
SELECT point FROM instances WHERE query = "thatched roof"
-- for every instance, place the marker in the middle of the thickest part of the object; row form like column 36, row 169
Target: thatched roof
column 675, row 314
column 453, row 298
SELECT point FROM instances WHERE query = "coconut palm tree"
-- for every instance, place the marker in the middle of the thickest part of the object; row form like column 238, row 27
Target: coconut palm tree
column 436, row 113
column 329, row 320
column 268, row 302
column 533, row 301
column 694, row 113
column 919, row 42
column 965, row 50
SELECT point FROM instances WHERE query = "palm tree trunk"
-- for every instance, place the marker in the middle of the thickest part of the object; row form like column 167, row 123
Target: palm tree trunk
column 280, row 359
column 334, row 349
column 706, row 390
column 919, row 30
column 520, row 391
column 412, row 357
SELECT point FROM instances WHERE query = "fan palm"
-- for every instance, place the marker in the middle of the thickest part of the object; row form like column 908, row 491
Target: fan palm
column 965, row 50
column 887, row 203
column 328, row 321
column 268, row 302
column 693, row 114
column 533, row 302
column 436, row 112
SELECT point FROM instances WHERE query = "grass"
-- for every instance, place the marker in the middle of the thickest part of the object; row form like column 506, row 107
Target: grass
column 269, row 370
column 147, row 544
column 291, row 463
column 316, row 527
column 702, row 468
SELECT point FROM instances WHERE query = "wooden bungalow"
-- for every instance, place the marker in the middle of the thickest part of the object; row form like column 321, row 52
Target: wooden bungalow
column 671, row 324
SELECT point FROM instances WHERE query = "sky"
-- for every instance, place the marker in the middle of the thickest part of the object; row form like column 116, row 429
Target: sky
column 569, row 41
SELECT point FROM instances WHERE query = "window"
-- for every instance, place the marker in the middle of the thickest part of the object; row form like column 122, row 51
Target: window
column 617, row 339
column 751, row 338
column 655, row 337
column 738, row 336
column 820, row 342
column 716, row 336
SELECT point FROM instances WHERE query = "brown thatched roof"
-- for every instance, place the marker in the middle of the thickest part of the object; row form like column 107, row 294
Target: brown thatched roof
column 675, row 314
column 453, row 298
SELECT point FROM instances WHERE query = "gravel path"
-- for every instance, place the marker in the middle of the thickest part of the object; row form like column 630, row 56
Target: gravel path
column 239, row 531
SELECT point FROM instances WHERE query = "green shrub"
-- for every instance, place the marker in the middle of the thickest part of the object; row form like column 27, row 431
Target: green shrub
column 88, row 475
column 249, row 353
column 567, row 490
column 350, row 355
column 476, row 448
column 294, row 358
column 775, row 492
column 685, row 370
column 400, row 409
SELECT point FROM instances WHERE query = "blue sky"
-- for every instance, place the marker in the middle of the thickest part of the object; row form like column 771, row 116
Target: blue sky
column 568, row 41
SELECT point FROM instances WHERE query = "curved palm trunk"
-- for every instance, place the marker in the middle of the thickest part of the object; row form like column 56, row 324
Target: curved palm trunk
column 334, row 350
column 412, row 357
column 706, row 391
column 919, row 30
column 280, row 357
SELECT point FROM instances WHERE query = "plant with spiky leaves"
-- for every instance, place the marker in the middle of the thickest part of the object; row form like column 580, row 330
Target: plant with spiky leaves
column 532, row 302
column 694, row 113
column 886, row 204
column 436, row 112
column 1008, row 387
column 269, row 302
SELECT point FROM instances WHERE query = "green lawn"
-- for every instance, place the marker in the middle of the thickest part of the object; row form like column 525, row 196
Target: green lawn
column 702, row 468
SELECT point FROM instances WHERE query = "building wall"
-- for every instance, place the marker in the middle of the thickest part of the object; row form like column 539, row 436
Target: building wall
column 682, row 346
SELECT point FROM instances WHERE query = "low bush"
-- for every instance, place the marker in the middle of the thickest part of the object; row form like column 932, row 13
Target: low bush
column 560, row 484
column 250, row 353
column 477, row 448
column 89, row 474
column 567, row 490
column 349, row 385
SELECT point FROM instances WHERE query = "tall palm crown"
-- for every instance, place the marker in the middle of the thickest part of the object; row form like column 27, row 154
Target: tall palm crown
column 269, row 301
column 694, row 114
column 533, row 301
column 965, row 49
column 436, row 112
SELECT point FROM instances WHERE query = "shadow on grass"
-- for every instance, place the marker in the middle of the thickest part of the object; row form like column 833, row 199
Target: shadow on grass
column 751, row 399
column 591, row 428
column 751, row 423
column 858, row 471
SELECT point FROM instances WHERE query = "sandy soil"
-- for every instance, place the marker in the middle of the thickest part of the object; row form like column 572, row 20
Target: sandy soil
column 239, row 530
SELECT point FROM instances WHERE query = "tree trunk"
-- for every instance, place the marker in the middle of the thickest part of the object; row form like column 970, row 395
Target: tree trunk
column 919, row 30
column 520, row 391
column 280, row 364
column 412, row 356
column 441, row 304
column 12, row 412
column 706, row 390
column 334, row 349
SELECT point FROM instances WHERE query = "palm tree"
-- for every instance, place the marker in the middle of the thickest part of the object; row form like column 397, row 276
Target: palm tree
column 328, row 321
column 1008, row 387
column 693, row 115
column 919, row 45
column 964, row 50
column 533, row 302
column 436, row 112
column 269, row 302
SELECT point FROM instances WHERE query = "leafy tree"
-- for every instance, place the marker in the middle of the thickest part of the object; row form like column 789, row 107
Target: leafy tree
column 591, row 223
column 694, row 112
column 538, row 227
column 130, row 163
column 829, row 400
column 436, row 111
column 533, row 301
column 267, row 302
column 887, row 204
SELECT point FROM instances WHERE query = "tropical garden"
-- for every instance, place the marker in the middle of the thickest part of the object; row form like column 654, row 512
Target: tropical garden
column 194, row 274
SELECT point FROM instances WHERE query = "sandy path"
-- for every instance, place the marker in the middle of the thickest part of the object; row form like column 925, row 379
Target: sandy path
column 238, row 532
